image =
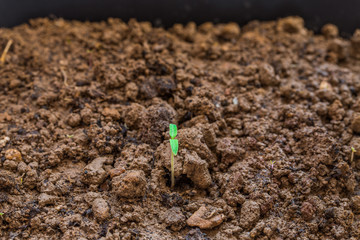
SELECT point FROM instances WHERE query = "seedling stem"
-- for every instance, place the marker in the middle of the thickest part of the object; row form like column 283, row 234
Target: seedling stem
column 272, row 165
column 172, row 170
column 64, row 76
column 353, row 151
column 3, row 55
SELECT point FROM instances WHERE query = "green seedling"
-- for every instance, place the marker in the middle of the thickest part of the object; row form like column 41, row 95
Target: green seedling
column 174, row 144
column 272, row 164
column 1, row 214
column 22, row 179
column 353, row 151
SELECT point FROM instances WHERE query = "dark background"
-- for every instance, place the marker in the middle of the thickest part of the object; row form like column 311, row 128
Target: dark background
column 345, row 13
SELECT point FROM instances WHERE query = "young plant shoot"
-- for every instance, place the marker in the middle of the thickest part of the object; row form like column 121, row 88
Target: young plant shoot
column 353, row 151
column 174, row 144
column 272, row 165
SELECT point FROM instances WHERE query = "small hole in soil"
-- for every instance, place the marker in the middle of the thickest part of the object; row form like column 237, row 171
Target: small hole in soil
column 186, row 117
column 182, row 182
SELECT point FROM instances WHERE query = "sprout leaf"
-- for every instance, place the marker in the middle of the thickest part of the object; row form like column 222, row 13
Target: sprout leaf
column 173, row 131
column 174, row 146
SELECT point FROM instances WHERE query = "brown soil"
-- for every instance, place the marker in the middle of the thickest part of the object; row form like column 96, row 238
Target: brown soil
column 267, row 116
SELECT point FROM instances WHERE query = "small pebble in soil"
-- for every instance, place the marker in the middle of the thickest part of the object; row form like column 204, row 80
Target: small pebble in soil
column 205, row 218
column 4, row 141
column 324, row 85
column 235, row 101
column 13, row 154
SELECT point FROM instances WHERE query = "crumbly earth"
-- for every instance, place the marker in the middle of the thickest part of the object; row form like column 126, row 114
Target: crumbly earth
column 267, row 115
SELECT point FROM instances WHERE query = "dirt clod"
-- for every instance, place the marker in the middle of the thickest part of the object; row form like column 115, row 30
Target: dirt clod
column 174, row 219
column 196, row 234
column 308, row 211
column 155, row 122
column 101, row 209
column 355, row 123
column 45, row 199
column 291, row 25
column 330, row 30
column 131, row 184
column 197, row 170
column 229, row 150
column 249, row 214
column 131, row 90
column 74, row 120
column 267, row 75
column 7, row 180
column 355, row 44
column 355, row 201
column 94, row 172
column 112, row 113
column 116, row 172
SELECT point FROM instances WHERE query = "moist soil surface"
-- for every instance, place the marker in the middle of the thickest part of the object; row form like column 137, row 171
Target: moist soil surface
column 266, row 114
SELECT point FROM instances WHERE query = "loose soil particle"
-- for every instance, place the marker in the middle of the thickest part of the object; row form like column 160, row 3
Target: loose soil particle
column 267, row 115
